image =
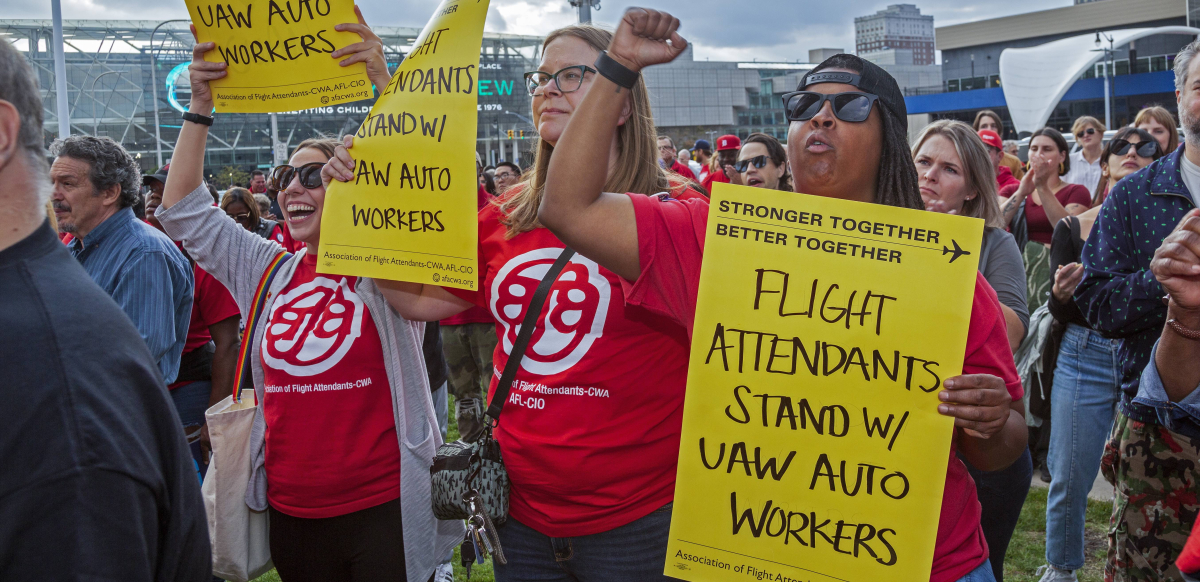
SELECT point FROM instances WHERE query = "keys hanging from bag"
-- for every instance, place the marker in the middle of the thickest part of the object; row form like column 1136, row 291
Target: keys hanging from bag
column 469, row 479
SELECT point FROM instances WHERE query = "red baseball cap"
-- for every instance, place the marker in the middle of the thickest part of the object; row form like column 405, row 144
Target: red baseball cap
column 991, row 138
column 728, row 142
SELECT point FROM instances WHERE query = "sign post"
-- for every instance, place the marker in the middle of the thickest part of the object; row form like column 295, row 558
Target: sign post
column 811, row 447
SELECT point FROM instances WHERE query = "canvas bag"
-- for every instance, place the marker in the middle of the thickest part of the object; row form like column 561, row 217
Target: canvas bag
column 241, row 549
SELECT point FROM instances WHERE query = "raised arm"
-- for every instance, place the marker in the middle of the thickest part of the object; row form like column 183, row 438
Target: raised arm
column 187, row 161
column 597, row 224
column 1010, row 205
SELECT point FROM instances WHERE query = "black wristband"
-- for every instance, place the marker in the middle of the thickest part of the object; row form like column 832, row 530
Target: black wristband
column 197, row 118
column 614, row 71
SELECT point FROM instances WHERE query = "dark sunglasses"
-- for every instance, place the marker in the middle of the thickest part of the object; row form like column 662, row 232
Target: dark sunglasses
column 1088, row 131
column 742, row 165
column 310, row 176
column 243, row 217
column 1145, row 149
column 852, row 106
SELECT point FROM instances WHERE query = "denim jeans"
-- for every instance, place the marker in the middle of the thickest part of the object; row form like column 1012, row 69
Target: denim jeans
column 634, row 552
column 1087, row 386
column 191, row 400
column 981, row 574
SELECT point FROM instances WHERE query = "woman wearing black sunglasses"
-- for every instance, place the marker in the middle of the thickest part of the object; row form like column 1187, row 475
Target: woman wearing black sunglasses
column 847, row 140
column 346, row 430
column 1087, row 375
column 762, row 163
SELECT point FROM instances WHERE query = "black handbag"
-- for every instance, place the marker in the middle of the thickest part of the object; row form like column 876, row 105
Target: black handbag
column 469, row 479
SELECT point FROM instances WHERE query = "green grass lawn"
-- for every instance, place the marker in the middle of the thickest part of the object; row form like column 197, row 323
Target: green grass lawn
column 1026, row 552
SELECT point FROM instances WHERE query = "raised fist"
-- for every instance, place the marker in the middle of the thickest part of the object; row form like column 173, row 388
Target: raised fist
column 646, row 37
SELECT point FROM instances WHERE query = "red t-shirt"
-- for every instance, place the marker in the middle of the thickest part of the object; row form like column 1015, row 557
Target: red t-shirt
column 670, row 246
column 714, row 176
column 1005, row 178
column 331, row 438
column 1040, row 229
column 282, row 235
column 211, row 303
column 474, row 314
column 682, row 170
column 590, row 432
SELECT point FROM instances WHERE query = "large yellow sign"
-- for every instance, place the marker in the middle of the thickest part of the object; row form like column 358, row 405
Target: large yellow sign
column 812, row 449
column 278, row 53
column 409, row 214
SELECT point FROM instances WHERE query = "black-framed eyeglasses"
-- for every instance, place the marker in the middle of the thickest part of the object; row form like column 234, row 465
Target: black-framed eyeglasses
column 851, row 106
column 1088, row 131
column 1145, row 149
column 757, row 161
column 568, row 80
column 310, row 176
column 505, row 175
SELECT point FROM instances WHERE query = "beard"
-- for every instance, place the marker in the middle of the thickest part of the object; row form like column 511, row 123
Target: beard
column 1191, row 126
column 63, row 225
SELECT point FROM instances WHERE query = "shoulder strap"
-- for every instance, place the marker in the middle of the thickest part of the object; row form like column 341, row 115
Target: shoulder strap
column 527, row 324
column 244, row 377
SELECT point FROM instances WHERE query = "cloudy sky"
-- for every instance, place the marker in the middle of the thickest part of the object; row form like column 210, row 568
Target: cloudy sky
column 720, row 29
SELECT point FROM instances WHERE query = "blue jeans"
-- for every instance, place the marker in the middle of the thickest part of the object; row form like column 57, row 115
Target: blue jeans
column 981, row 574
column 191, row 400
column 634, row 552
column 1087, row 386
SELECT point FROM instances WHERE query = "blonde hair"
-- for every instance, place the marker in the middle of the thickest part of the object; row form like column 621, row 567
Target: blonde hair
column 1085, row 121
column 977, row 166
column 1164, row 118
column 636, row 168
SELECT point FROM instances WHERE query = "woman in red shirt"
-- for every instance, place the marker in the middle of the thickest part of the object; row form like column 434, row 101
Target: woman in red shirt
column 590, row 431
column 656, row 247
column 345, row 430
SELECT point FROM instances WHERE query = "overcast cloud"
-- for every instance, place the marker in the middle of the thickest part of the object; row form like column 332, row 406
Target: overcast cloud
column 767, row 30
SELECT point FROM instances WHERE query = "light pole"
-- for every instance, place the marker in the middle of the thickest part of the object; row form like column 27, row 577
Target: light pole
column 60, row 72
column 585, row 9
column 92, row 93
column 1108, row 66
column 154, row 84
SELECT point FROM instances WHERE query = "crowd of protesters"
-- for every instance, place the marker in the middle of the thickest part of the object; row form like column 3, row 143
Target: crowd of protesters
column 118, row 333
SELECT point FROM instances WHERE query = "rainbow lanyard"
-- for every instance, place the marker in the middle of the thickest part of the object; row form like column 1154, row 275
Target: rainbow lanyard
column 260, row 300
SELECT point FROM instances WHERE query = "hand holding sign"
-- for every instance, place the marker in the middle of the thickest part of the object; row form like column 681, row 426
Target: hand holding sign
column 277, row 53
column 369, row 51
column 646, row 37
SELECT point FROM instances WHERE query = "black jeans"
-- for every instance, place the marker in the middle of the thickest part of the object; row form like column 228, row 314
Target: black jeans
column 1001, row 496
column 364, row 545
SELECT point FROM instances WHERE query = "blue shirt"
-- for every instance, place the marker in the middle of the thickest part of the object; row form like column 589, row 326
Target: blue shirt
column 1182, row 417
column 144, row 272
column 1119, row 295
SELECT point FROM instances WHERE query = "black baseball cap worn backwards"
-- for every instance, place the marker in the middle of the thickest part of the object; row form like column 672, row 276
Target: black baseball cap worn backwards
column 871, row 79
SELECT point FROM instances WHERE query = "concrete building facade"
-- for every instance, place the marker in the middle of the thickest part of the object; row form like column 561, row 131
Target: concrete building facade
column 899, row 26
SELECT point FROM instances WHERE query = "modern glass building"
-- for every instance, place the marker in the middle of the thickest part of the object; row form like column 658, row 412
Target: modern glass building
column 128, row 80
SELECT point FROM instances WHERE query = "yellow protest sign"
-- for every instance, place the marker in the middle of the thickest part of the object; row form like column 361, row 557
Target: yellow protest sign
column 278, row 53
column 410, row 212
column 812, row 449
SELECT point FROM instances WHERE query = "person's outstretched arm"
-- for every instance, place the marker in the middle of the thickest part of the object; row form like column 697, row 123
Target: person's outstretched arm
column 597, row 224
column 187, row 161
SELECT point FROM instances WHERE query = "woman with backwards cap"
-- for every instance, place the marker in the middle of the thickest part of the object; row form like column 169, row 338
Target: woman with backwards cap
column 847, row 140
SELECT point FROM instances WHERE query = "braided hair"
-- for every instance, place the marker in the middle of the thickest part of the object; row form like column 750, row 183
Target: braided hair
column 896, row 184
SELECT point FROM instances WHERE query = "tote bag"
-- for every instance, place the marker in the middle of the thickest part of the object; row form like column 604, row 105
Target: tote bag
column 240, row 536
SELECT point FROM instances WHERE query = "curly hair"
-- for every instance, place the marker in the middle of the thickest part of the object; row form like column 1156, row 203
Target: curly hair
column 110, row 165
